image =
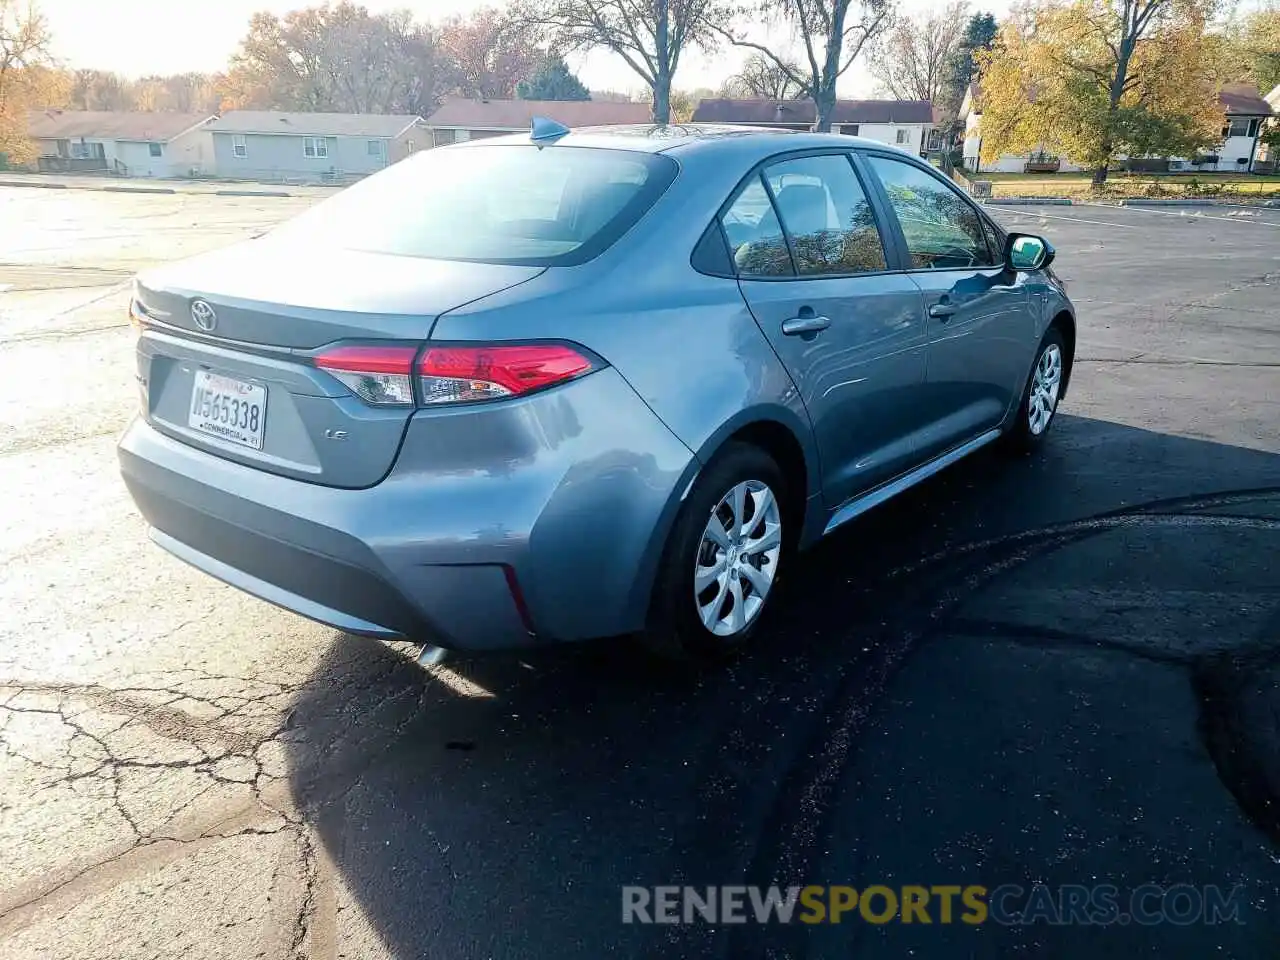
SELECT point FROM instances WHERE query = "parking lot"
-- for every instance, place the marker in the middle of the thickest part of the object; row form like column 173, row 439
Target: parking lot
column 1059, row 670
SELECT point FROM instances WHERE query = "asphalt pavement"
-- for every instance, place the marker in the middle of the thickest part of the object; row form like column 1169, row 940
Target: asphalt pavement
column 1059, row 670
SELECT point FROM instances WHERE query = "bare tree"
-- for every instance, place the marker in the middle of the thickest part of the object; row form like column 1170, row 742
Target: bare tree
column 830, row 42
column 649, row 35
column 761, row 77
column 910, row 59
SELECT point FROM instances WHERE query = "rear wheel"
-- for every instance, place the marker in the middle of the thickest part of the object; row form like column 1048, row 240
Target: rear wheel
column 1040, row 398
column 721, row 562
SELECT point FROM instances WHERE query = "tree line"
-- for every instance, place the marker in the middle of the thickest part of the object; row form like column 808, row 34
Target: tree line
column 1092, row 78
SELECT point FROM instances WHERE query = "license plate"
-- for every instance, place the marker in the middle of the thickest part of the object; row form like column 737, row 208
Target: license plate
column 228, row 409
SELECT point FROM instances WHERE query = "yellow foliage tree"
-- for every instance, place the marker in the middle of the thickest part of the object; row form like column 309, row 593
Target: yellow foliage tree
column 1096, row 79
column 27, row 79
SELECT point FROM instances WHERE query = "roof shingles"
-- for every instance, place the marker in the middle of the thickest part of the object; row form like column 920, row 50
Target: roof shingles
column 517, row 114
column 110, row 125
column 802, row 111
column 375, row 125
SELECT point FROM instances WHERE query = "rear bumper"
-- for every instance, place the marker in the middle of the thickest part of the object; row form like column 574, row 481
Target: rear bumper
column 538, row 520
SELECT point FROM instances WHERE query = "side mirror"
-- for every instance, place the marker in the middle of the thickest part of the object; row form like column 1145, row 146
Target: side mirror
column 1024, row 252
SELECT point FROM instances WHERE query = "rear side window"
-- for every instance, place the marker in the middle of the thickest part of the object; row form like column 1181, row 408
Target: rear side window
column 943, row 232
column 513, row 204
column 827, row 215
column 756, row 241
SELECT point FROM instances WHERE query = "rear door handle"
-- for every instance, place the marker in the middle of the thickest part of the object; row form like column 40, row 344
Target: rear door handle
column 798, row 326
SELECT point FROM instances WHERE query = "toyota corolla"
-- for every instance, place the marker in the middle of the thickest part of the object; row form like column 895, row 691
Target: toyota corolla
column 538, row 389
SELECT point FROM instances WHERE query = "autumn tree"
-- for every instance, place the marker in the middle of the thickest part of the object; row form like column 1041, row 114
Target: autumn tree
column 1095, row 79
column 762, row 78
column 649, row 35
column 1254, row 44
column 338, row 58
column 911, row 58
column 553, row 81
column 489, row 53
column 27, row 77
column 831, row 34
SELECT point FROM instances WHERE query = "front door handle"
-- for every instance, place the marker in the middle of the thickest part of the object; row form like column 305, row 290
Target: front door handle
column 798, row 326
column 942, row 311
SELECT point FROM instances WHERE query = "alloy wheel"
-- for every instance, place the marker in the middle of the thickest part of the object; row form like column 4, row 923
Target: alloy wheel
column 737, row 559
column 1045, row 384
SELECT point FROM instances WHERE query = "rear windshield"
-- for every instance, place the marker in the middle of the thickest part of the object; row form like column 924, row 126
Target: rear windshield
column 511, row 204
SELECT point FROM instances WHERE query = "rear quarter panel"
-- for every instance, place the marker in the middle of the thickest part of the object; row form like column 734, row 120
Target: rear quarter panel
column 686, row 342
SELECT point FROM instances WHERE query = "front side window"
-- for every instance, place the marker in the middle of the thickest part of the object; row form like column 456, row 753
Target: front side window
column 315, row 148
column 755, row 236
column 943, row 232
column 375, row 148
column 239, row 148
column 512, row 204
column 904, row 136
column 155, row 149
column 827, row 215
column 1238, row 127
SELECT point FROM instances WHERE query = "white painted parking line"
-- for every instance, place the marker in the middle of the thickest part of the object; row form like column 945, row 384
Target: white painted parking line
column 1099, row 223
column 1185, row 215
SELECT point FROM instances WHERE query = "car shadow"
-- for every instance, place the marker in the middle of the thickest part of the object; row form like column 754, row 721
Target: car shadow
column 498, row 806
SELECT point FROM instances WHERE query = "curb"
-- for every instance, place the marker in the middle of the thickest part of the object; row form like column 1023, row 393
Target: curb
column 167, row 191
column 41, row 186
column 134, row 189
column 1189, row 202
column 1029, row 201
column 251, row 193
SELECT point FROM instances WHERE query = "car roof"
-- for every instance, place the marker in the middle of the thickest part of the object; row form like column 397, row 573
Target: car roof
column 690, row 138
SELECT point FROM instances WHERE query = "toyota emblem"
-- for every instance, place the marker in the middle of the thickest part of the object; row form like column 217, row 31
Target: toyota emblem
column 203, row 315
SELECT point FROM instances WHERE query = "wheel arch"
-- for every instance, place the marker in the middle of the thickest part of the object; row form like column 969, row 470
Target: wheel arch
column 1066, row 323
column 782, row 434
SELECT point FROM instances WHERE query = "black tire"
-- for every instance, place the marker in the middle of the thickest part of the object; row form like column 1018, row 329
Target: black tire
column 674, row 629
column 1020, row 437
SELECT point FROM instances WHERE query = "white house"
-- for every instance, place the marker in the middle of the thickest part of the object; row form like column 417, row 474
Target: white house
column 909, row 124
column 1246, row 112
column 123, row 144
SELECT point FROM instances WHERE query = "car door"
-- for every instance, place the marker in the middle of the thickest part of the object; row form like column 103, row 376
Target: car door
column 978, row 324
column 812, row 265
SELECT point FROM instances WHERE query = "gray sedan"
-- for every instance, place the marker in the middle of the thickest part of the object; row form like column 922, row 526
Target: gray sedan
column 582, row 384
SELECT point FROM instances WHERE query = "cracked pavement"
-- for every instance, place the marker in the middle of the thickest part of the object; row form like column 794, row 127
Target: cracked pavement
column 1060, row 669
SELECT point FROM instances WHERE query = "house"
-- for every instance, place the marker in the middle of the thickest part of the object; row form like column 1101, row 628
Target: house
column 461, row 119
column 311, row 147
column 123, row 144
column 1246, row 112
column 909, row 124
column 1267, row 159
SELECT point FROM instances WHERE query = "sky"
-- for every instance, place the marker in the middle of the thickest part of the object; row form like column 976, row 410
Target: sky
column 139, row 37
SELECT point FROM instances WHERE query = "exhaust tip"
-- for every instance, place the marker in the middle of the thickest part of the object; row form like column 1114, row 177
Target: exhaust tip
column 432, row 655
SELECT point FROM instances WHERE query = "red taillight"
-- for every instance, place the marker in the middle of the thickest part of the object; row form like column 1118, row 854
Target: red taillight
column 376, row 374
column 461, row 374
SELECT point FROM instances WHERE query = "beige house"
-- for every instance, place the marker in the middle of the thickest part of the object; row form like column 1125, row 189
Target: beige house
column 460, row 118
column 122, row 144
column 311, row 147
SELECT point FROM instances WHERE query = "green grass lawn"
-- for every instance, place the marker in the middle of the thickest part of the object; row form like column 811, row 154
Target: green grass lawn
column 1172, row 185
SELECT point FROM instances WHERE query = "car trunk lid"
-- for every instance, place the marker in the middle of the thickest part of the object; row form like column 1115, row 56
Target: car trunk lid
column 227, row 357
